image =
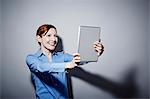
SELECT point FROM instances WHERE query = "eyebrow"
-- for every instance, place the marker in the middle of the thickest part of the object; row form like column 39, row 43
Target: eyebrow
column 44, row 33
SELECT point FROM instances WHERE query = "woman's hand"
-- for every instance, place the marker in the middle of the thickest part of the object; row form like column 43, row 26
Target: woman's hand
column 74, row 62
column 98, row 47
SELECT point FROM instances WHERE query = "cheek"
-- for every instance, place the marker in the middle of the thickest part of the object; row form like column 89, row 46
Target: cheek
column 46, row 39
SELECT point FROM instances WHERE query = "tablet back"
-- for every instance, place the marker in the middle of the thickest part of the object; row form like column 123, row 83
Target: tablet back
column 86, row 37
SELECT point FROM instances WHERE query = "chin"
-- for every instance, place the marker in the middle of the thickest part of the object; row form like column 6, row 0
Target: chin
column 52, row 48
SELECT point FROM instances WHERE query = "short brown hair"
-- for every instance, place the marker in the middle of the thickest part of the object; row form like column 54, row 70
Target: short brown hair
column 43, row 29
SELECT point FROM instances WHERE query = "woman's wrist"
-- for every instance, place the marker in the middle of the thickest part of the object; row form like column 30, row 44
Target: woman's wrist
column 70, row 65
column 66, row 65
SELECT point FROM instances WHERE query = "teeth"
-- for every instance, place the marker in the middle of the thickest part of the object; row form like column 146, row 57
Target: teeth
column 52, row 44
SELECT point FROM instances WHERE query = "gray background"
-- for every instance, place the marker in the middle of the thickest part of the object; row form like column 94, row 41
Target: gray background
column 124, row 34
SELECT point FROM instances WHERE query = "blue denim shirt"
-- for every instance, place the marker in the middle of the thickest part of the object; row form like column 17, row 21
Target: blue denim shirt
column 49, row 78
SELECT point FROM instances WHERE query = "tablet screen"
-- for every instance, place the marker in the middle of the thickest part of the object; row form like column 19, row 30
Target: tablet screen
column 86, row 37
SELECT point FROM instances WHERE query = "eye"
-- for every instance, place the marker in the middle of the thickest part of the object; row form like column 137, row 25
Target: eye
column 55, row 36
column 48, row 35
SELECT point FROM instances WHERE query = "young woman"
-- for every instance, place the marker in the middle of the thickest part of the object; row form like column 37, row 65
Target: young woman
column 48, row 67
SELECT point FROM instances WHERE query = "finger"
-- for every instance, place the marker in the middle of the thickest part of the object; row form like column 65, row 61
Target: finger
column 94, row 45
column 77, row 58
column 97, row 47
column 76, row 61
column 99, row 44
column 99, row 50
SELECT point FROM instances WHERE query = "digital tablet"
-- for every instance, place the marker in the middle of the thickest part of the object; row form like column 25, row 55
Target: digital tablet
column 87, row 35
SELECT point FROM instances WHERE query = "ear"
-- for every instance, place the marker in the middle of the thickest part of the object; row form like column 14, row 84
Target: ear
column 38, row 38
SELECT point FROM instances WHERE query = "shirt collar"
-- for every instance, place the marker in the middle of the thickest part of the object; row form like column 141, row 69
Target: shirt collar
column 40, row 53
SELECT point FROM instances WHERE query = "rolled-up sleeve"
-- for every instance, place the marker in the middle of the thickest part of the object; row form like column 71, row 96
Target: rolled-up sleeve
column 36, row 65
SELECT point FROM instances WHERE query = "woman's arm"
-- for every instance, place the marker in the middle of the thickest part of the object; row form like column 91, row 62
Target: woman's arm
column 36, row 65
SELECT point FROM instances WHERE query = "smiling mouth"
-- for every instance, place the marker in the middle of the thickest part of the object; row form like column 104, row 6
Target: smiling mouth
column 52, row 44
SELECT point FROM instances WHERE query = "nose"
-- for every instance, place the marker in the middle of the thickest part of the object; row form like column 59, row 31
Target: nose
column 53, row 38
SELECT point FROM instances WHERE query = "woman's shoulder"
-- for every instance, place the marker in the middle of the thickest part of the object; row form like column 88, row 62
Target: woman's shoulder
column 30, row 56
column 34, row 54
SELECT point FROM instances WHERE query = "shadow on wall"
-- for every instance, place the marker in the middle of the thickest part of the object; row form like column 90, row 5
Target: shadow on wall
column 127, row 89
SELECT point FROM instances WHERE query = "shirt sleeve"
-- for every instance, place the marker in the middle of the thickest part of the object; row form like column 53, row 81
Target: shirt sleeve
column 36, row 65
column 68, row 57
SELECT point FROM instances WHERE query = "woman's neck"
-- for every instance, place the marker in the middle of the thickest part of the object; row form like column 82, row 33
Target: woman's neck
column 47, row 52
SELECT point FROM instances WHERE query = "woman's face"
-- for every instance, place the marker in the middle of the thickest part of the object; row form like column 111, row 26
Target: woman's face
column 49, row 41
